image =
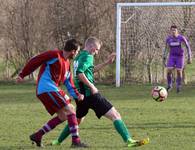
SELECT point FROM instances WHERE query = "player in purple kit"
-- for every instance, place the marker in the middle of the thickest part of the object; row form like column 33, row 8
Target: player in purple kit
column 176, row 56
column 54, row 70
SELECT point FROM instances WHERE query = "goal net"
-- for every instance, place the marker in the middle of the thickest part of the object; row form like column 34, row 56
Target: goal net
column 141, row 32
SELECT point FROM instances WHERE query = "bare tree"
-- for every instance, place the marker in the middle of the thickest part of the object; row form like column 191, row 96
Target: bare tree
column 28, row 27
column 23, row 31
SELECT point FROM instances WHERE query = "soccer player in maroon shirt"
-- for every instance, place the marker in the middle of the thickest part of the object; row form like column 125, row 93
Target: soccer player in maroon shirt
column 55, row 69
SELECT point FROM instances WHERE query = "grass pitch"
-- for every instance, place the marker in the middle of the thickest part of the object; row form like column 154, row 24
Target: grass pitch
column 170, row 124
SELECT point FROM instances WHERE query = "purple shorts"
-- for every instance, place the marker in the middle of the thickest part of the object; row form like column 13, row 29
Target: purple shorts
column 175, row 62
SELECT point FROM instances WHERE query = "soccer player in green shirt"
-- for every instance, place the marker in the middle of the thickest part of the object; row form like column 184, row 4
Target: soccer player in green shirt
column 84, row 81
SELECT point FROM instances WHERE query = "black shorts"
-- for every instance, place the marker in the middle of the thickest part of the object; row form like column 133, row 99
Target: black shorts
column 96, row 102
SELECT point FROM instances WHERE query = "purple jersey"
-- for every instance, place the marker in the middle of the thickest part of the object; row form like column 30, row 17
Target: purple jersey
column 176, row 54
column 175, row 45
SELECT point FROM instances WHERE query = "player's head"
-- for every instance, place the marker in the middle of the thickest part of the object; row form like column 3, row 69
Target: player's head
column 72, row 46
column 174, row 30
column 93, row 45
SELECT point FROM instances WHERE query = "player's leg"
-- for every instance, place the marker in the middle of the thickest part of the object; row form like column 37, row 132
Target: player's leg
column 72, row 123
column 121, row 128
column 119, row 125
column 73, row 127
column 179, row 80
column 169, row 78
column 82, row 109
column 170, row 66
column 56, row 102
column 64, row 134
column 103, row 107
column 179, row 68
column 50, row 125
column 53, row 104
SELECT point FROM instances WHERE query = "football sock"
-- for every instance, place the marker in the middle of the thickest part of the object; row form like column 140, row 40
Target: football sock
column 64, row 134
column 122, row 129
column 178, row 81
column 51, row 124
column 73, row 127
column 169, row 80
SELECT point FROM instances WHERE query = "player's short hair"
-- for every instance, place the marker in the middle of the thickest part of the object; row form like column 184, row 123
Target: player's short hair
column 71, row 44
column 92, row 41
column 173, row 26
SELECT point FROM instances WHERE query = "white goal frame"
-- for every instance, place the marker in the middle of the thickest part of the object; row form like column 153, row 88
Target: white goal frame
column 118, row 25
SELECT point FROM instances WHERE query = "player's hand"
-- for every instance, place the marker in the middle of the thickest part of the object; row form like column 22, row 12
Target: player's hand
column 80, row 97
column 189, row 61
column 94, row 90
column 111, row 58
column 19, row 79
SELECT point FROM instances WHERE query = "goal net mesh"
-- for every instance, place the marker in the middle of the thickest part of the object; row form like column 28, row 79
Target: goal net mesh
column 143, row 34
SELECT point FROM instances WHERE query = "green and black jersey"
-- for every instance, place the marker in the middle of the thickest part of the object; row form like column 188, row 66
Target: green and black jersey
column 84, row 63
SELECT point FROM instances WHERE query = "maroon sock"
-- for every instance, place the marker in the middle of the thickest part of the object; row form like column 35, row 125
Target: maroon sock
column 73, row 127
column 51, row 124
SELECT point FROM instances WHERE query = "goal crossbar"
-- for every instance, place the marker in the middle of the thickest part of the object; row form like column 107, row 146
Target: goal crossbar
column 155, row 4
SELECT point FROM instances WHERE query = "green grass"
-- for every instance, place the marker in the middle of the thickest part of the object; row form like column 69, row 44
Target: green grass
column 190, row 71
column 170, row 124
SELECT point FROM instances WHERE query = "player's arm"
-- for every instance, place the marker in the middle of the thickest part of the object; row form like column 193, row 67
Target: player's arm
column 189, row 52
column 109, row 60
column 69, row 83
column 35, row 62
column 83, row 79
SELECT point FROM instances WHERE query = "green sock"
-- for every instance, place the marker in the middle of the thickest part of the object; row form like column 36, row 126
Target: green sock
column 64, row 134
column 122, row 129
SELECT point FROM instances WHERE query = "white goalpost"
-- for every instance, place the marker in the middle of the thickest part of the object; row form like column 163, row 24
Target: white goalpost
column 123, row 20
